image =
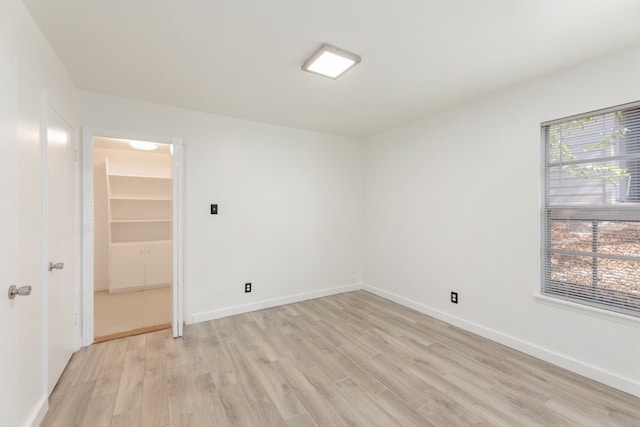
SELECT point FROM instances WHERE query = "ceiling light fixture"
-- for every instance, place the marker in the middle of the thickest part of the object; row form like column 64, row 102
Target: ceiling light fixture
column 143, row 145
column 329, row 61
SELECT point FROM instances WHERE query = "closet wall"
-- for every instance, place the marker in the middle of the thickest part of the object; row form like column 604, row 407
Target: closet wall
column 123, row 158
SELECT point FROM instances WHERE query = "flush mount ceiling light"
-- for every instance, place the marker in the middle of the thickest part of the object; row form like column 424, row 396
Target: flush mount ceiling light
column 330, row 61
column 137, row 144
column 143, row 145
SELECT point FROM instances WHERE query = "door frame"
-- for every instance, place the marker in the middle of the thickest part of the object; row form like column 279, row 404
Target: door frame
column 88, row 226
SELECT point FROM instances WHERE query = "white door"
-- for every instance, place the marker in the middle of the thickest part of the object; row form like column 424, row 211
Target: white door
column 11, row 311
column 61, row 243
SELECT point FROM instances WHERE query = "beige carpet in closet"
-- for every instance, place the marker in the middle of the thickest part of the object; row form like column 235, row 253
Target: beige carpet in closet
column 129, row 313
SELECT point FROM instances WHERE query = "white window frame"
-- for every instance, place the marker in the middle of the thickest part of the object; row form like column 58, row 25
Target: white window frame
column 550, row 290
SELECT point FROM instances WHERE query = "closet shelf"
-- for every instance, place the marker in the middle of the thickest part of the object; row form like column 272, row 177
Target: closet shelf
column 149, row 177
column 141, row 198
column 139, row 220
column 123, row 221
column 138, row 242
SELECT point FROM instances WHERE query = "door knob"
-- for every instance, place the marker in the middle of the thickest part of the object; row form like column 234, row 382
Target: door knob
column 22, row 290
column 57, row 266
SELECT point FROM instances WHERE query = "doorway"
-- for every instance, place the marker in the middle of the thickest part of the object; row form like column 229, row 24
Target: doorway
column 132, row 236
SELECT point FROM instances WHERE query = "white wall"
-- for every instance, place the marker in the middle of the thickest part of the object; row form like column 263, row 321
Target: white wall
column 290, row 204
column 29, row 68
column 129, row 162
column 452, row 203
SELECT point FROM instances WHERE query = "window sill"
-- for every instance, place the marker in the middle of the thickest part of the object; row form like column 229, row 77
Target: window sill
column 588, row 310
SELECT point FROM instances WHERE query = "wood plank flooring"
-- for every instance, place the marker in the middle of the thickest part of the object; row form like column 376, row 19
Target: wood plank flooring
column 352, row 359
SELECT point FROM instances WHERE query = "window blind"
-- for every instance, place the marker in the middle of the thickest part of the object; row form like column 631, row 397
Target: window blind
column 591, row 212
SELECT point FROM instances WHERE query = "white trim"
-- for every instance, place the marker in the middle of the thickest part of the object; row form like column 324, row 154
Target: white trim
column 88, row 227
column 87, row 238
column 547, row 355
column 588, row 310
column 39, row 413
column 77, row 140
column 178, row 188
column 44, row 154
column 275, row 302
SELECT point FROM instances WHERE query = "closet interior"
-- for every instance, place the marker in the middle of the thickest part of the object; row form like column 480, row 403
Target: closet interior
column 132, row 237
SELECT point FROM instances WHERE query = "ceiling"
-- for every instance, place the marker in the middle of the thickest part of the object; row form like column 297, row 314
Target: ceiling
column 242, row 58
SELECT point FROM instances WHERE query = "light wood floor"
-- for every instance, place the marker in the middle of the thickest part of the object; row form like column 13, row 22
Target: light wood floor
column 347, row 360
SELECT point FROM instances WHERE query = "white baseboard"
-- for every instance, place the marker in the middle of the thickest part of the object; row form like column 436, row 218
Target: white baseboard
column 261, row 305
column 40, row 411
column 547, row 355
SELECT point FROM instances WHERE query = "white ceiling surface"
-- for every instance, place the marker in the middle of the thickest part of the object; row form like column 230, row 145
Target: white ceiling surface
column 242, row 58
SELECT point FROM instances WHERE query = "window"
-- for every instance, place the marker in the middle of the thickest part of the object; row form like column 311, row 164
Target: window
column 591, row 209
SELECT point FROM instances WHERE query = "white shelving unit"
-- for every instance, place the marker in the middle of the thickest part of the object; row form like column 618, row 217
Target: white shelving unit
column 139, row 215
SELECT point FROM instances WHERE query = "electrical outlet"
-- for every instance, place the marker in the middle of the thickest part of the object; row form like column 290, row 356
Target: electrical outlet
column 76, row 319
column 214, row 209
column 247, row 287
column 454, row 297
